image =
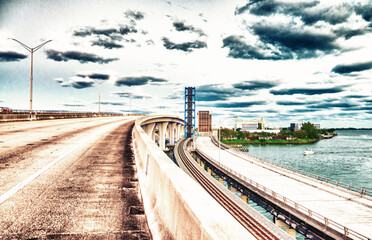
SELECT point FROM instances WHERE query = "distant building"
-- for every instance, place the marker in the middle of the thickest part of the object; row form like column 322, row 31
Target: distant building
column 250, row 125
column 205, row 121
column 297, row 126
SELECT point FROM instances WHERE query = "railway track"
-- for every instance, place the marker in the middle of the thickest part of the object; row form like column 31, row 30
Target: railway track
column 247, row 221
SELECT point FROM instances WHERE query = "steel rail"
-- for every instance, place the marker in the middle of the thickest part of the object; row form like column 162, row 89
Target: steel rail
column 247, row 221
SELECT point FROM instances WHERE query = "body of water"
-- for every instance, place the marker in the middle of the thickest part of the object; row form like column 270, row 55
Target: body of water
column 346, row 158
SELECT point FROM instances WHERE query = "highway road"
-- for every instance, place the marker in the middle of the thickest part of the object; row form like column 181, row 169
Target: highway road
column 69, row 179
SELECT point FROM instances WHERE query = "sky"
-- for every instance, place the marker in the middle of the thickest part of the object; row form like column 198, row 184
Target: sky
column 281, row 61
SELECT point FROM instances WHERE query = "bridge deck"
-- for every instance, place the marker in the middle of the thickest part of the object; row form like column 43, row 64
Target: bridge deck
column 327, row 201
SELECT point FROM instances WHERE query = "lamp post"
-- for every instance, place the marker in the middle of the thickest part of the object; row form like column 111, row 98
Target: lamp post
column 219, row 140
column 31, row 50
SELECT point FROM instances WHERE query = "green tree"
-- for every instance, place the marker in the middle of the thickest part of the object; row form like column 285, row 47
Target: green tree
column 300, row 134
column 312, row 131
column 239, row 133
column 285, row 133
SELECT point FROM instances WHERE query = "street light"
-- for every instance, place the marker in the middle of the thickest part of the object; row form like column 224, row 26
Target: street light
column 219, row 136
column 99, row 98
column 31, row 50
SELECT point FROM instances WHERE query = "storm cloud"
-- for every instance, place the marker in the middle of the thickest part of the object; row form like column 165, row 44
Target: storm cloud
column 240, row 49
column 214, row 92
column 138, row 81
column 186, row 47
column 289, row 103
column 306, row 91
column 254, row 85
column 81, row 84
column 82, row 57
column 238, row 104
column 10, row 56
column 309, row 12
column 136, row 15
column 108, row 44
column 295, row 43
column 355, row 67
column 181, row 27
column 111, row 103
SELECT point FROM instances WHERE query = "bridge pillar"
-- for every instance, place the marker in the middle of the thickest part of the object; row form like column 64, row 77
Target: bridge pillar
column 149, row 129
column 172, row 128
column 179, row 132
column 245, row 198
column 220, row 180
column 288, row 229
column 162, row 129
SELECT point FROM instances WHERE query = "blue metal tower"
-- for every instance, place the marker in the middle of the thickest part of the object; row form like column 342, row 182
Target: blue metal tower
column 189, row 111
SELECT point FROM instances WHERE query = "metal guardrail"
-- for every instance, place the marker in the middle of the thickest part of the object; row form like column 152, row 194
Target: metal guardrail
column 348, row 233
column 360, row 191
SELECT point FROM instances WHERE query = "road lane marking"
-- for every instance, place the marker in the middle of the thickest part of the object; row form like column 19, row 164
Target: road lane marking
column 22, row 184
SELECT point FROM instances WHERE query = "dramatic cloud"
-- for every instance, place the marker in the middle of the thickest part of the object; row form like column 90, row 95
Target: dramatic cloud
column 309, row 12
column 365, row 11
column 238, row 104
column 79, row 84
column 333, row 105
column 11, row 56
column 293, row 40
column 289, row 103
column 79, row 56
column 254, row 85
column 99, row 76
column 186, row 47
column 132, row 95
column 111, row 103
column 301, row 110
column 306, row 91
column 240, row 49
column 181, row 27
column 138, row 81
column 214, row 92
column 295, row 43
column 135, row 15
column 91, row 30
column 108, row 44
column 94, row 76
column 356, row 67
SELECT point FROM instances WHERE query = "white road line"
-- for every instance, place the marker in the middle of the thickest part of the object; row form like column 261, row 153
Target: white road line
column 22, row 184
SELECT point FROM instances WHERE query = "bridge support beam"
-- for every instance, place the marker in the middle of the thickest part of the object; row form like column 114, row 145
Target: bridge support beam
column 162, row 129
column 179, row 132
column 288, row 229
column 149, row 130
column 172, row 129
column 245, row 198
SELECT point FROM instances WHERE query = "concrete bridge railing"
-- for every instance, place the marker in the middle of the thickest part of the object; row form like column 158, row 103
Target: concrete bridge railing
column 176, row 206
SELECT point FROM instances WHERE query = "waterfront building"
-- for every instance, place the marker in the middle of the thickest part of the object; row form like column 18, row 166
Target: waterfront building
column 205, row 121
column 249, row 125
column 297, row 126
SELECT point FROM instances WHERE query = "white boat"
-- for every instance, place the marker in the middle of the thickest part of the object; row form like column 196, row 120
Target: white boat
column 308, row 151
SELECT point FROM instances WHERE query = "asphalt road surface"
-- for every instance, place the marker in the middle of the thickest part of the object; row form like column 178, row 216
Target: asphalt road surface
column 69, row 179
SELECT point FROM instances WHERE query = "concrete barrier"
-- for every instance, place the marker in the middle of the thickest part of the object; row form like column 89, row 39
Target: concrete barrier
column 23, row 116
column 176, row 206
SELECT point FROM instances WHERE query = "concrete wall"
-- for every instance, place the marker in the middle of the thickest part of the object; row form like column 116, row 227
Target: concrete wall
column 176, row 206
